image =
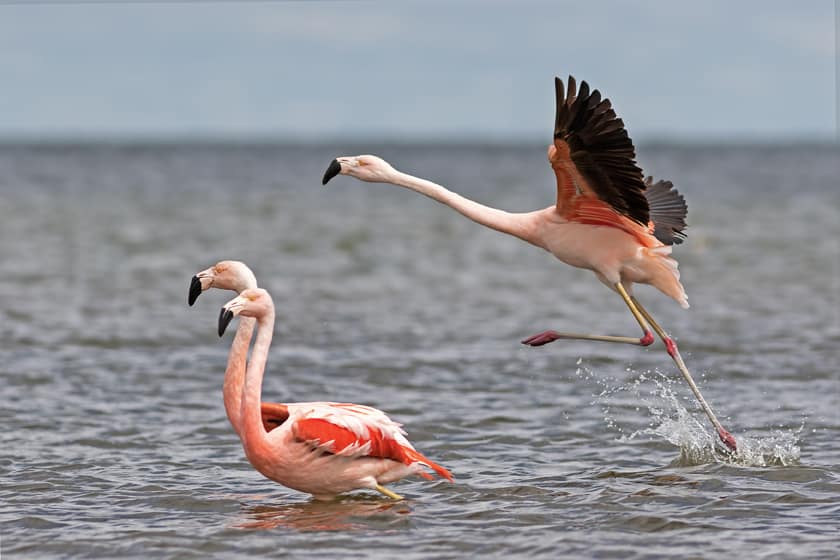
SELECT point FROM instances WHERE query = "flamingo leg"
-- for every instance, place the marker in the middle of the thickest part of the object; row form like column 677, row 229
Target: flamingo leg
column 389, row 493
column 646, row 339
column 727, row 438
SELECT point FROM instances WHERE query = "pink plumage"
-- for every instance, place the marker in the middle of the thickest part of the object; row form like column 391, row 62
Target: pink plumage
column 607, row 218
column 321, row 448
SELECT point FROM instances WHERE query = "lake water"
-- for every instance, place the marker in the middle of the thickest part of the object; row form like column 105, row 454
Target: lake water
column 115, row 442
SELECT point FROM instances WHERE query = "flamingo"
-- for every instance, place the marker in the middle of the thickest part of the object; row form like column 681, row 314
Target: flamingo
column 323, row 448
column 607, row 218
column 236, row 276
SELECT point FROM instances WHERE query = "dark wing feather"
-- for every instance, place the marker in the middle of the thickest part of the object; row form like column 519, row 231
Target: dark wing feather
column 667, row 210
column 599, row 148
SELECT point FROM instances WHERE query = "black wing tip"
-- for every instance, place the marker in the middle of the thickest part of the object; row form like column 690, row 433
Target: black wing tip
column 575, row 105
column 564, row 95
column 668, row 211
column 558, row 81
column 560, row 101
column 600, row 147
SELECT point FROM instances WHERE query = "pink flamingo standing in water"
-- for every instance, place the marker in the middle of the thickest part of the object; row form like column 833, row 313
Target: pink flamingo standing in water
column 607, row 218
column 321, row 448
column 236, row 276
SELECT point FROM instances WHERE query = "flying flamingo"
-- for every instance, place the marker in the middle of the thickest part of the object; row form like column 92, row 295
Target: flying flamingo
column 607, row 218
column 322, row 448
column 236, row 276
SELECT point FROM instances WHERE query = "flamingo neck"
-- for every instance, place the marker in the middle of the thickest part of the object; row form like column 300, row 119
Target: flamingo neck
column 253, row 430
column 235, row 372
column 520, row 225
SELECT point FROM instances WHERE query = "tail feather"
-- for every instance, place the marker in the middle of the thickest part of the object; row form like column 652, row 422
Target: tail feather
column 667, row 211
column 666, row 274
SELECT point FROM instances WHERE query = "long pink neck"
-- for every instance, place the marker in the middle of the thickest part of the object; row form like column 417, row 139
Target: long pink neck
column 521, row 225
column 235, row 372
column 253, row 432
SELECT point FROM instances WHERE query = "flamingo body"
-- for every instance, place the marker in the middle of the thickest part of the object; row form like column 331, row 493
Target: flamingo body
column 614, row 253
column 326, row 449
column 321, row 448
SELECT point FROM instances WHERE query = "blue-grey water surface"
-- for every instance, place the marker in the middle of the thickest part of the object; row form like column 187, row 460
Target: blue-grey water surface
column 115, row 442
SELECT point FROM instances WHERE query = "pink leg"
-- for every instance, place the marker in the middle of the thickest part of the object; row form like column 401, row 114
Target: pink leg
column 546, row 337
column 645, row 321
column 550, row 336
column 671, row 346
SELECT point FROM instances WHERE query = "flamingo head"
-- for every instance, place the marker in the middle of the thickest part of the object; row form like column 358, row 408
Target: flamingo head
column 365, row 168
column 253, row 302
column 225, row 275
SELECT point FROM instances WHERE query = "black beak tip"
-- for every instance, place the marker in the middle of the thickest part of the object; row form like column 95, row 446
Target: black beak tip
column 333, row 170
column 195, row 290
column 225, row 317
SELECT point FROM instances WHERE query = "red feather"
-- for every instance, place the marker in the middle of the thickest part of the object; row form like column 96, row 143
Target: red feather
column 308, row 429
column 596, row 212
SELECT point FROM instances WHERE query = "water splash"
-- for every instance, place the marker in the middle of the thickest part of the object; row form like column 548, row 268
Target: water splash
column 671, row 421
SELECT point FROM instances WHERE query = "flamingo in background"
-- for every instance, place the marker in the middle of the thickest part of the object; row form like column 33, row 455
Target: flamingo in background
column 322, row 448
column 236, row 276
column 607, row 218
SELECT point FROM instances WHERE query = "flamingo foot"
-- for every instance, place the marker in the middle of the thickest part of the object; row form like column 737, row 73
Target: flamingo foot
column 542, row 338
column 728, row 440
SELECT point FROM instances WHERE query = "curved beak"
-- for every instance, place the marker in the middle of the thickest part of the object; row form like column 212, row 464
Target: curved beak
column 333, row 170
column 195, row 290
column 225, row 317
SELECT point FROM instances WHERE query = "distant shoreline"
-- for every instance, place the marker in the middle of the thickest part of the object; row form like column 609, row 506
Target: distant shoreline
column 369, row 142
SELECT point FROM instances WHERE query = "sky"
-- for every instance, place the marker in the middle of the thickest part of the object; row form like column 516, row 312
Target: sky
column 414, row 70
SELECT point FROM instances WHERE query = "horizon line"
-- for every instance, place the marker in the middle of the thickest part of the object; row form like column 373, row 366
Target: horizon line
column 129, row 139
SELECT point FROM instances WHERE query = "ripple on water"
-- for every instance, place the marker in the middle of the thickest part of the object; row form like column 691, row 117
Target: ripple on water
column 115, row 442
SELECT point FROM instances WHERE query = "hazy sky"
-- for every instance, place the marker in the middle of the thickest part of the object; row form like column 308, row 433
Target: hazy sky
column 427, row 69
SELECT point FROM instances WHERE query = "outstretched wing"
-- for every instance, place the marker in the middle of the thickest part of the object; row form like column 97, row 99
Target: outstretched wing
column 356, row 431
column 593, row 156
